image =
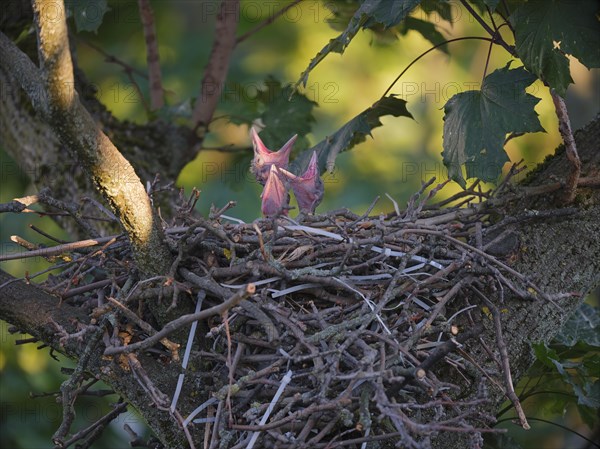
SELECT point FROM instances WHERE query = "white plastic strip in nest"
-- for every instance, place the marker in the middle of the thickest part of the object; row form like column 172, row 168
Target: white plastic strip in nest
column 199, row 409
column 237, row 220
column 295, row 288
column 286, row 380
column 261, row 282
column 386, row 251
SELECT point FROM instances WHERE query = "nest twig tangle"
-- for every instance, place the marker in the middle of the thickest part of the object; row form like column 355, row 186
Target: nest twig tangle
column 336, row 331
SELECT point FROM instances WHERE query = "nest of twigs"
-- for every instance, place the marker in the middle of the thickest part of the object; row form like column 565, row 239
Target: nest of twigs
column 334, row 331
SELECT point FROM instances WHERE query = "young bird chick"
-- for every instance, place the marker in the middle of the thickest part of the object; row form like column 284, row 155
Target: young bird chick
column 264, row 159
column 308, row 188
column 275, row 197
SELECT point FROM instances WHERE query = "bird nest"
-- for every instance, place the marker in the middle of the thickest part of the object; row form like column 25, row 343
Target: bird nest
column 333, row 331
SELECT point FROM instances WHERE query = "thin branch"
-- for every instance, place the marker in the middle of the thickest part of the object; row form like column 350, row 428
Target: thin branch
column 152, row 55
column 59, row 249
column 184, row 320
column 564, row 126
column 266, row 22
column 495, row 35
column 441, row 44
column 218, row 63
column 505, row 359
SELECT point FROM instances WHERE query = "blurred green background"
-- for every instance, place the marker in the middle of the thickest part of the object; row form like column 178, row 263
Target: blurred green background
column 401, row 155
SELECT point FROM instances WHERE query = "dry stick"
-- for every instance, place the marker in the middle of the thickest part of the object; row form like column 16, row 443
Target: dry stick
column 70, row 385
column 218, row 63
column 442, row 303
column 564, row 126
column 98, row 425
column 58, row 249
column 160, row 399
column 488, row 257
column 501, row 344
column 19, row 204
column 48, row 236
column 184, row 320
column 171, row 346
column 152, row 56
column 71, row 208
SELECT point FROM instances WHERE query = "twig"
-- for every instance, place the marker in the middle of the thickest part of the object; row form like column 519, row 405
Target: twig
column 70, row 385
column 19, row 204
column 152, row 55
column 218, row 63
column 497, row 38
column 184, row 320
column 564, row 126
column 59, row 249
column 501, row 344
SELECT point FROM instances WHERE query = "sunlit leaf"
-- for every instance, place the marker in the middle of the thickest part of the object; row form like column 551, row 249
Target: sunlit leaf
column 547, row 29
column 477, row 122
column 352, row 133
column 371, row 12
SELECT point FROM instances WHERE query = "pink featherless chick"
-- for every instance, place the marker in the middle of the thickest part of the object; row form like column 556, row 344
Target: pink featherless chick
column 308, row 188
column 275, row 197
column 265, row 158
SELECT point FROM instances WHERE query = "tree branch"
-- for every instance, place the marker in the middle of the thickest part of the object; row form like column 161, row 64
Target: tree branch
column 218, row 63
column 54, row 95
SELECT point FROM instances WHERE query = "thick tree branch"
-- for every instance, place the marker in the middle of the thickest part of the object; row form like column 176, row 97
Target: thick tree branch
column 37, row 313
column 218, row 63
column 56, row 98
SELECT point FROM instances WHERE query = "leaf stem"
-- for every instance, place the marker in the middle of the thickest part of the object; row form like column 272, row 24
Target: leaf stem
column 495, row 36
column 465, row 38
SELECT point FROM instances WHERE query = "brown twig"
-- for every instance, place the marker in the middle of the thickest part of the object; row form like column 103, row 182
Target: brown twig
column 152, row 55
column 218, row 63
column 564, row 126
column 501, row 345
column 184, row 320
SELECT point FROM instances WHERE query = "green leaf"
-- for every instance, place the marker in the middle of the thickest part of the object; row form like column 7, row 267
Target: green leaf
column 282, row 113
column 352, row 133
column 545, row 354
column 239, row 103
column 441, row 7
column 427, row 29
column 588, row 415
column 371, row 12
column 342, row 12
column 573, row 373
column 582, row 326
column 88, row 14
column 284, row 116
column 476, row 123
column 572, row 25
